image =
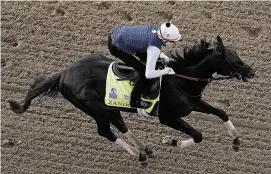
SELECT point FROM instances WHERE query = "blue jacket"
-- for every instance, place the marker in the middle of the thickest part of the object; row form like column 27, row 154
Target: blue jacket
column 135, row 39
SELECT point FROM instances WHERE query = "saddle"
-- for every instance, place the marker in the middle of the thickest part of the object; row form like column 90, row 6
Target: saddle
column 125, row 72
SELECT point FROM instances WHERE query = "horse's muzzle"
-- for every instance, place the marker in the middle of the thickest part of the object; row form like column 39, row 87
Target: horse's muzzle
column 247, row 73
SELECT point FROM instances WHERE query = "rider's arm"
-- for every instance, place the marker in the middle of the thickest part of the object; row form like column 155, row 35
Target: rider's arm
column 152, row 56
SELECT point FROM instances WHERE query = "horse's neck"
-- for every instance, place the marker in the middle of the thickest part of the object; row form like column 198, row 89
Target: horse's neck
column 203, row 70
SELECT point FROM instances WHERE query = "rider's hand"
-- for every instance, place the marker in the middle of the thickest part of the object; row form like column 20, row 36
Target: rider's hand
column 167, row 60
column 165, row 57
column 169, row 71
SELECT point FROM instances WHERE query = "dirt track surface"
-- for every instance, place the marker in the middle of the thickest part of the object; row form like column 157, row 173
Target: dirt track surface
column 40, row 38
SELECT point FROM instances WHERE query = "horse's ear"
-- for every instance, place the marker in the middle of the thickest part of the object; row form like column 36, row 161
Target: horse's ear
column 204, row 43
column 220, row 45
column 219, row 40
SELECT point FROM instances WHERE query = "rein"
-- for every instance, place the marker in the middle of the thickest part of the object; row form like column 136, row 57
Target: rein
column 203, row 80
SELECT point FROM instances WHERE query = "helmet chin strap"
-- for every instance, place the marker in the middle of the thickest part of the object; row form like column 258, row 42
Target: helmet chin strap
column 169, row 43
column 165, row 42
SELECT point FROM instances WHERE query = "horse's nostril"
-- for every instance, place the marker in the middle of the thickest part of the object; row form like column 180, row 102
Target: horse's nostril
column 252, row 75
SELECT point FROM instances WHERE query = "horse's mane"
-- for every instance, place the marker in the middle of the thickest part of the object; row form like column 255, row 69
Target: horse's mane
column 192, row 55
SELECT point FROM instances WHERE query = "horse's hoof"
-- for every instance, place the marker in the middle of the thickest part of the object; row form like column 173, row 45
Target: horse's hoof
column 167, row 140
column 143, row 160
column 150, row 153
column 236, row 144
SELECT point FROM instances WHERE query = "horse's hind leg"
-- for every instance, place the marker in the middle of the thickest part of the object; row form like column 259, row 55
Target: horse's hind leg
column 132, row 138
column 103, row 123
column 117, row 121
column 101, row 116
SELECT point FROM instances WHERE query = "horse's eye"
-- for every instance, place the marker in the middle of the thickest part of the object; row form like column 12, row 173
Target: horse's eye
column 240, row 63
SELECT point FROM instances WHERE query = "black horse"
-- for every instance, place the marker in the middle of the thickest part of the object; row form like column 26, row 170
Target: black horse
column 83, row 84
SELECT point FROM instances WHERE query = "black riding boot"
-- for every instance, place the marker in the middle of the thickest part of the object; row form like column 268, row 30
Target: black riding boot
column 136, row 100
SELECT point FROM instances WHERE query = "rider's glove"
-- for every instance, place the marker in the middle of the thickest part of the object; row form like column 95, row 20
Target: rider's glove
column 169, row 71
column 165, row 57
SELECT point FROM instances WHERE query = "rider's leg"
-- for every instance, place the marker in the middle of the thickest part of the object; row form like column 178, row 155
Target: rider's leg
column 136, row 100
column 139, row 67
column 139, row 87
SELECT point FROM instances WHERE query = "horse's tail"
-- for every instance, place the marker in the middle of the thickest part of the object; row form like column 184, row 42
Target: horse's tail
column 44, row 86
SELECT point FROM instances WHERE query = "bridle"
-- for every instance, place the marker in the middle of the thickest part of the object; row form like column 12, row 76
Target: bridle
column 236, row 74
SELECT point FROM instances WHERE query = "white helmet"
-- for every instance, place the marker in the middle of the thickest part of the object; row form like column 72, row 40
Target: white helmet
column 169, row 32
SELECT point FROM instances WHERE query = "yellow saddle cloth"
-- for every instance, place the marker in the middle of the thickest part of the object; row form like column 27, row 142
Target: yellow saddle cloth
column 118, row 92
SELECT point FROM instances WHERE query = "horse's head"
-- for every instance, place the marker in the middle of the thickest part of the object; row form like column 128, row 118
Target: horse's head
column 229, row 63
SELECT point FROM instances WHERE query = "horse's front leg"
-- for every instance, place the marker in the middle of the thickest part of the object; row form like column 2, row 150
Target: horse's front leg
column 179, row 124
column 204, row 107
